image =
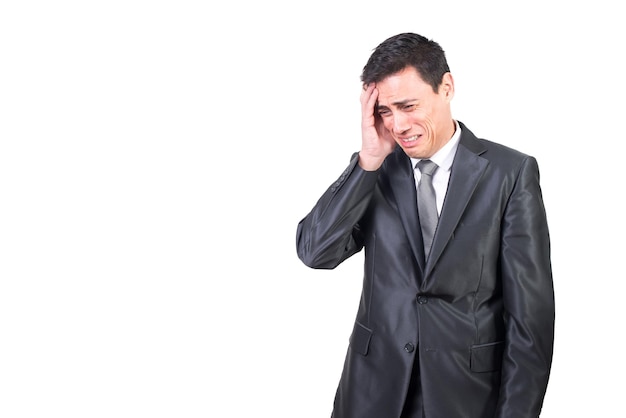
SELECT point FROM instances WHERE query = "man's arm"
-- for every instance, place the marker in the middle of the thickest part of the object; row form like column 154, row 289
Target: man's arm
column 528, row 298
column 330, row 233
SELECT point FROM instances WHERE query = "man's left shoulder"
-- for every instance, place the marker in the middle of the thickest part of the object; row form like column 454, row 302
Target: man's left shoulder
column 501, row 150
column 489, row 149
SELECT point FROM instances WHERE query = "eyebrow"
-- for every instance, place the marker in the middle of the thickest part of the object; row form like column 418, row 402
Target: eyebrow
column 399, row 104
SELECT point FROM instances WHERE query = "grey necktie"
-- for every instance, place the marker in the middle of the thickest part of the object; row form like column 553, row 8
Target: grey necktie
column 427, row 204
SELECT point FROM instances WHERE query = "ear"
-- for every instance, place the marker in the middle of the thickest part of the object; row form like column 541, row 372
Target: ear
column 446, row 89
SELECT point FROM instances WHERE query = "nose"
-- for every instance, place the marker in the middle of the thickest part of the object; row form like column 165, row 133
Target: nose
column 400, row 123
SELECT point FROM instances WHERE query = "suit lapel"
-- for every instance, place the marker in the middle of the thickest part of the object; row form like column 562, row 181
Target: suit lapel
column 467, row 169
column 402, row 185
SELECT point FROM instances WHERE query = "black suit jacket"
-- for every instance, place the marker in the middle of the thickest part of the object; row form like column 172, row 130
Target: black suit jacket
column 478, row 317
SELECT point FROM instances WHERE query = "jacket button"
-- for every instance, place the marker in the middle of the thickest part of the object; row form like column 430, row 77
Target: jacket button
column 422, row 300
column 408, row 347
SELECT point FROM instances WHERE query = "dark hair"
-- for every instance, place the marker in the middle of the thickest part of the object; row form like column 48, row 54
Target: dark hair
column 404, row 50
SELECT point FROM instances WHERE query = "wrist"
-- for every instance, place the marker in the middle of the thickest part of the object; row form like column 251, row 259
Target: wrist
column 370, row 163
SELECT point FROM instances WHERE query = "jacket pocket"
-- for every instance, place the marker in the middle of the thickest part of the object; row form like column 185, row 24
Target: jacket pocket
column 360, row 339
column 486, row 357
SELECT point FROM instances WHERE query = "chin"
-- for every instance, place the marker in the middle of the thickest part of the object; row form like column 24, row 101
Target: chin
column 413, row 153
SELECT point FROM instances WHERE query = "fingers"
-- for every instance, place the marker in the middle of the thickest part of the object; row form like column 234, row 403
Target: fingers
column 369, row 96
column 368, row 92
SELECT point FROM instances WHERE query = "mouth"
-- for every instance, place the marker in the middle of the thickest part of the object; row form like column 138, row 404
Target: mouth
column 410, row 139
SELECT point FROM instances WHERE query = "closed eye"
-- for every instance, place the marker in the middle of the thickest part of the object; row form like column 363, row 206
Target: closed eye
column 383, row 111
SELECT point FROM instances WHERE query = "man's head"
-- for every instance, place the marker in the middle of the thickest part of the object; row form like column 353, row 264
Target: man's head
column 414, row 88
column 404, row 50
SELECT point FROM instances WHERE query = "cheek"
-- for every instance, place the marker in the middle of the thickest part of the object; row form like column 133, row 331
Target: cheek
column 430, row 126
column 422, row 117
column 424, row 120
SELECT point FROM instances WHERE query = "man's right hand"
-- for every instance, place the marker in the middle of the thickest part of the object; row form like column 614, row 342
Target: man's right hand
column 377, row 141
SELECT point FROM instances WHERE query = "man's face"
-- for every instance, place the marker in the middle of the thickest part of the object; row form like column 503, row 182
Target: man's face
column 418, row 118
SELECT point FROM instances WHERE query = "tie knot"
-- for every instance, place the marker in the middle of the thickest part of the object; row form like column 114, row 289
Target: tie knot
column 427, row 167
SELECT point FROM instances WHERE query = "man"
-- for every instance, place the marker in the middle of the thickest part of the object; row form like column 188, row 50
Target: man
column 456, row 321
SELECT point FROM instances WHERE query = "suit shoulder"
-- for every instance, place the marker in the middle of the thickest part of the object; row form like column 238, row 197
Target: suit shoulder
column 503, row 158
column 482, row 146
column 502, row 150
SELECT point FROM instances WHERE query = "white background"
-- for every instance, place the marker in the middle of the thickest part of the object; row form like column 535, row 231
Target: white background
column 156, row 157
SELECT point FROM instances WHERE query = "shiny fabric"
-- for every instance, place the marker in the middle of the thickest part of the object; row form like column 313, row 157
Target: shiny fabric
column 478, row 316
column 427, row 204
column 414, row 404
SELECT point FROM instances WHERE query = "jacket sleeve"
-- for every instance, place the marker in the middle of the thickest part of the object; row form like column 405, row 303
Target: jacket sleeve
column 528, row 298
column 330, row 233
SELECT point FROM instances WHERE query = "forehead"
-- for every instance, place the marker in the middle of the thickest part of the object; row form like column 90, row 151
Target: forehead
column 405, row 85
